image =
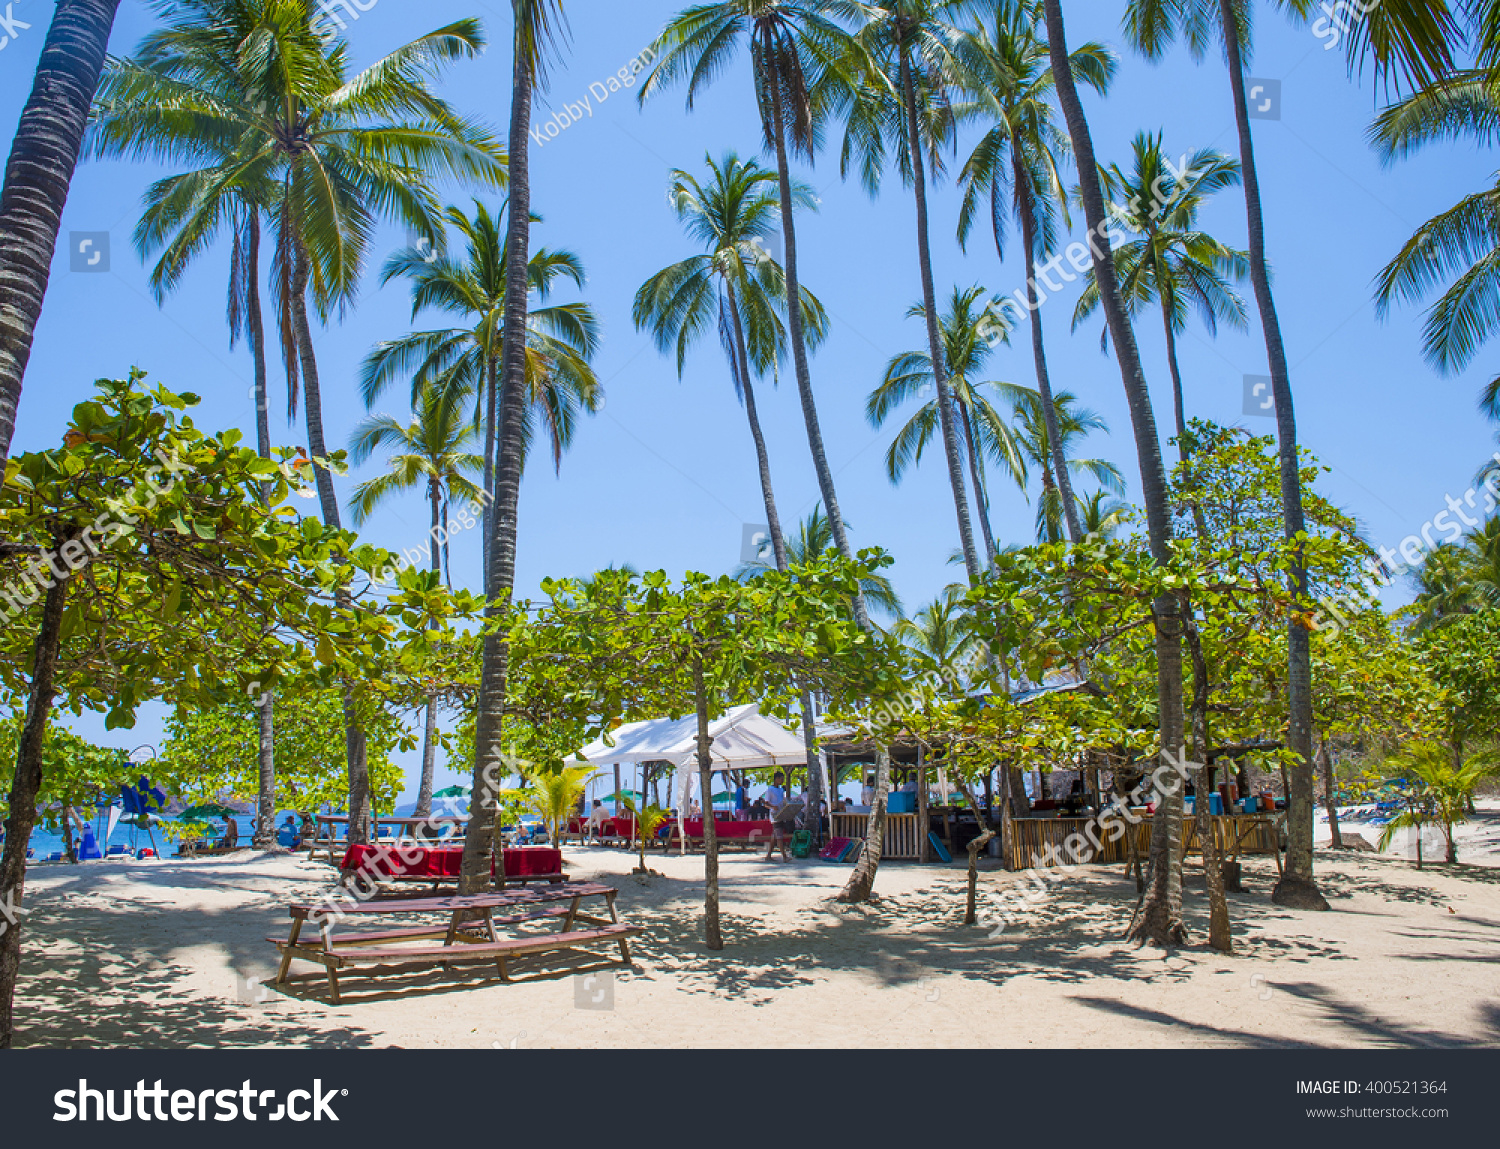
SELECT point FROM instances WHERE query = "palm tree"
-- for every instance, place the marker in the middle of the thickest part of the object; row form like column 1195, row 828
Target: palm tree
column 965, row 350
column 433, row 450
column 342, row 151
column 813, row 539
column 1008, row 79
column 563, row 338
column 538, row 26
column 1151, row 26
column 905, row 92
column 793, row 46
column 1103, row 515
column 943, row 630
column 554, row 795
column 734, row 285
column 1073, row 423
column 1443, row 792
column 1172, row 264
column 1159, row 916
column 38, row 174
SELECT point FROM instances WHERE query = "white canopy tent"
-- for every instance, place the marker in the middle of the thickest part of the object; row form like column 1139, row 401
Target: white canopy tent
column 743, row 739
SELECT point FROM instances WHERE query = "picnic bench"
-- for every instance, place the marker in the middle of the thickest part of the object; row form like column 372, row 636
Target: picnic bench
column 469, row 934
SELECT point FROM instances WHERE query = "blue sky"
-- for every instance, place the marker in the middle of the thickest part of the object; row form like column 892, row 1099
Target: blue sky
column 664, row 476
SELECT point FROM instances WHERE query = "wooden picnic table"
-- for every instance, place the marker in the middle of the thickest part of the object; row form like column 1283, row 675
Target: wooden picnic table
column 469, row 934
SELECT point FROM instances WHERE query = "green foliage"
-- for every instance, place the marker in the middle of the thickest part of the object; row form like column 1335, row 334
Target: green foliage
column 74, row 770
column 212, row 752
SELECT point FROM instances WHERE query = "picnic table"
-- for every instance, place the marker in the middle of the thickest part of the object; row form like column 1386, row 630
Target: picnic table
column 469, row 933
column 752, row 833
column 439, row 864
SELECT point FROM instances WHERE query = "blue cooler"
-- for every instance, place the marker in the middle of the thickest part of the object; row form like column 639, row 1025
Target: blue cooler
column 902, row 803
column 1215, row 804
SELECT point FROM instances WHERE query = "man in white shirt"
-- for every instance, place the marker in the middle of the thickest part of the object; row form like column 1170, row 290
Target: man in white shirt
column 597, row 817
column 867, row 795
column 776, row 792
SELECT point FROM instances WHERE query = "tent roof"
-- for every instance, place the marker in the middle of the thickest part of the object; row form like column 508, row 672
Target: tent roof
column 743, row 738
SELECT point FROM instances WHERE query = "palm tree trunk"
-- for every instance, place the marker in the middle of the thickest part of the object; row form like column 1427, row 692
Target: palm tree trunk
column 762, row 459
column 711, row 935
column 489, row 756
column 1297, row 887
column 37, row 176
column 255, row 329
column 981, row 497
column 356, row 750
column 429, row 722
column 24, row 788
column 491, row 407
column 1178, row 411
column 934, row 341
column 1027, row 209
column 1158, row 919
column 799, row 342
column 773, row 520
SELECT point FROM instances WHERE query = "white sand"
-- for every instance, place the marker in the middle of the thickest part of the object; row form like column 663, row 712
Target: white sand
column 147, row 954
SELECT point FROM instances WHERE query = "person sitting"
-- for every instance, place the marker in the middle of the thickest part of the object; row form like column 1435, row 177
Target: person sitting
column 287, row 835
column 231, row 836
column 597, row 817
column 307, row 832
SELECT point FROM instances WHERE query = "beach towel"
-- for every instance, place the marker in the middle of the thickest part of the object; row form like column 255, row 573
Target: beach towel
column 835, row 849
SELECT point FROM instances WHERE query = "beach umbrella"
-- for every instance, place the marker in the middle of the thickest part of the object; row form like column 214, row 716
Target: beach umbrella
column 723, row 796
column 452, row 792
column 633, row 795
column 207, row 810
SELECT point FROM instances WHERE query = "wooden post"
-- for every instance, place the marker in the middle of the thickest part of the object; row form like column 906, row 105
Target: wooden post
column 617, row 789
column 924, row 851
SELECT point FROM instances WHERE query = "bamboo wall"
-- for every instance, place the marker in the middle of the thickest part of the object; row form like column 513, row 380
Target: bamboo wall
column 1234, row 834
column 900, row 833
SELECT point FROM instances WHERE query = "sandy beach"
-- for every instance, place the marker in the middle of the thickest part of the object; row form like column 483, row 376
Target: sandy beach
column 156, row 953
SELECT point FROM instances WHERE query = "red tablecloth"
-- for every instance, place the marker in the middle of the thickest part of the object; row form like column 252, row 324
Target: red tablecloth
column 727, row 829
column 444, row 861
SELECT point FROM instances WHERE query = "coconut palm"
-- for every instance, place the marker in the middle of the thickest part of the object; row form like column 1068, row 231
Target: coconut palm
column 1151, row 25
column 554, row 795
column 1159, row 916
column 902, row 103
column 538, row 27
column 1173, row 263
column 735, row 285
column 943, row 630
column 1008, row 80
column 1074, row 422
column 814, row 538
column 432, row 451
column 648, row 820
column 793, row 46
column 43, row 155
column 1437, row 789
column 563, row 338
column 986, row 435
column 260, row 92
column 1102, row 515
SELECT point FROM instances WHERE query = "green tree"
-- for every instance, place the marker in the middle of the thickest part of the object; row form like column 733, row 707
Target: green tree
column 1151, row 25
column 146, row 559
column 1438, row 790
column 986, row 434
column 1172, row 263
column 38, row 173
column 562, row 339
column 1007, row 76
column 206, row 752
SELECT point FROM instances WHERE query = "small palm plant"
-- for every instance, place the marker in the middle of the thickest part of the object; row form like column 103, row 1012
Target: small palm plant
column 555, row 796
column 647, row 821
column 1437, row 790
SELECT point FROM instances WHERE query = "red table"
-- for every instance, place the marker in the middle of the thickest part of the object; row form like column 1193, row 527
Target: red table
column 438, row 863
